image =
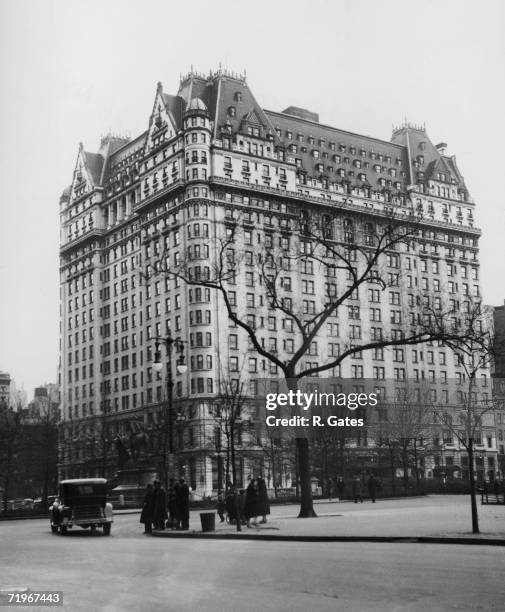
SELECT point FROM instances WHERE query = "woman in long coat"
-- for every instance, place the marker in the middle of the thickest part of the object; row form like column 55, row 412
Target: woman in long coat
column 264, row 505
column 182, row 504
column 252, row 504
column 146, row 516
column 160, row 506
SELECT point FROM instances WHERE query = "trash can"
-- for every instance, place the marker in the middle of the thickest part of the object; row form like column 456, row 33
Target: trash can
column 208, row 520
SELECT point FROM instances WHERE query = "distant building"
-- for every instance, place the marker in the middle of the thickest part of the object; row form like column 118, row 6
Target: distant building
column 5, row 389
column 45, row 403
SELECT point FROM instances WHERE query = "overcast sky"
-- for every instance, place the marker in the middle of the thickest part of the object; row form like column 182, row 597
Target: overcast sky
column 71, row 71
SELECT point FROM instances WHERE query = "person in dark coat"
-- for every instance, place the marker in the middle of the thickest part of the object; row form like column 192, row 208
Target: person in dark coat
column 230, row 503
column 160, row 506
column 252, row 504
column 373, row 485
column 146, row 516
column 221, row 507
column 172, row 504
column 264, row 504
column 357, row 491
column 340, row 488
column 182, row 504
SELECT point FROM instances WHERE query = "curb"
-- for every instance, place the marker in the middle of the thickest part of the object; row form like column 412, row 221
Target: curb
column 301, row 538
column 46, row 516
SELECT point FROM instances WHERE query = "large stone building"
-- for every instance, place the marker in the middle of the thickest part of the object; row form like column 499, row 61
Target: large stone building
column 211, row 159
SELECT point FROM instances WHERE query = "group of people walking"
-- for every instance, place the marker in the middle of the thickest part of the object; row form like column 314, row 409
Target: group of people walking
column 245, row 505
column 357, row 488
column 161, row 510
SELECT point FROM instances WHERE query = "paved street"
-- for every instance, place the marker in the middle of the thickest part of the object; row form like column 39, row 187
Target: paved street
column 129, row 571
column 435, row 515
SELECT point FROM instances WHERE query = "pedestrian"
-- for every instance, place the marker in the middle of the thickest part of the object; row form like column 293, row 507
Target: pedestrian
column 357, row 491
column 373, row 485
column 231, row 503
column 252, row 504
column 264, row 504
column 146, row 516
column 172, row 505
column 160, row 506
column 340, row 488
column 182, row 501
column 221, row 507
column 241, row 507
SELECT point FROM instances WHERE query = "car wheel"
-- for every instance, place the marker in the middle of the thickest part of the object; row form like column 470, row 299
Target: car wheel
column 63, row 529
column 54, row 528
column 106, row 528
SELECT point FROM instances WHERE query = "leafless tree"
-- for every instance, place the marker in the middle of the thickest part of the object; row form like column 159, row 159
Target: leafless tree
column 403, row 422
column 472, row 398
column 359, row 254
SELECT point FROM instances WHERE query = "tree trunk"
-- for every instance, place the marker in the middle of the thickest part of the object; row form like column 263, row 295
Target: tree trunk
column 392, row 460
column 234, row 472
column 306, row 506
column 473, row 501
column 303, row 455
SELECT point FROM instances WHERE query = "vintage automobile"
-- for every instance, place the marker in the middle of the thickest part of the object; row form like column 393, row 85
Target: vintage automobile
column 81, row 502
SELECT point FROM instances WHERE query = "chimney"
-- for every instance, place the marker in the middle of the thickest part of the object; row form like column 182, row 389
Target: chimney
column 441, row 147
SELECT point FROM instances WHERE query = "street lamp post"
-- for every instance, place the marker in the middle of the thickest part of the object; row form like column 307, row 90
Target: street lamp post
column 170, row 344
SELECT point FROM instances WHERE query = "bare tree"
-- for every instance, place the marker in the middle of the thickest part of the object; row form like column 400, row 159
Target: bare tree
column 358, row 255
column 473, row 400
column 403, row 423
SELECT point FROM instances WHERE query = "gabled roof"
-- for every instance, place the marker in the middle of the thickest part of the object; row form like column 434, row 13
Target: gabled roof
column 176, row 106
column 94, row 165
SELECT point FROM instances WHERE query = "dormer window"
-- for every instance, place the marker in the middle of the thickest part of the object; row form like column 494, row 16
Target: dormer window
column 300, row 136
column 336, row 158
column 341, row 147
column 377, row 168
column 332, row 146
column 311, row 140
column 315, row 154
column 238, row 96
column 357, row 163
column 372, row 155
column 289, row 135
column 321, row 142
column 353, row 150
column 362, row 153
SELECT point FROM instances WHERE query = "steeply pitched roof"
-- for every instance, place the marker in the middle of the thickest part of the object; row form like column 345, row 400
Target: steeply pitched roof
column 429, row 159
column 94, row 165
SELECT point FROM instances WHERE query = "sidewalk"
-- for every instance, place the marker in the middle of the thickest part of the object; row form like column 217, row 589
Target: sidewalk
column 437, row 519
